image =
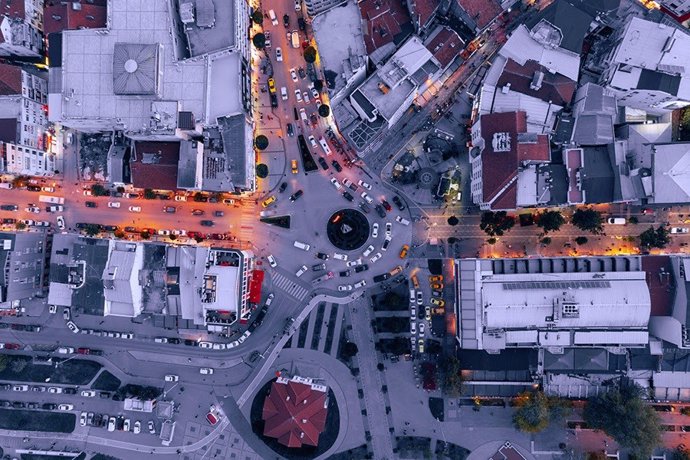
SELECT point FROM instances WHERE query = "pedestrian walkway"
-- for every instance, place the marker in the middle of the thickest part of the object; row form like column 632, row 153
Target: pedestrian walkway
column 321, row 330
column 291, row 288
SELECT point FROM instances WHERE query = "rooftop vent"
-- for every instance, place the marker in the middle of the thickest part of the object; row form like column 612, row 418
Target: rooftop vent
column 537, row 80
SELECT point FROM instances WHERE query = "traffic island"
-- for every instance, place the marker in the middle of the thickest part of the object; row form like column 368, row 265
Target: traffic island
column 347, row 229
column 33, row 420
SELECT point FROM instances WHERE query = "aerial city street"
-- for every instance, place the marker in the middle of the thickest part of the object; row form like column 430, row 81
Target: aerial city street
column 339, row 229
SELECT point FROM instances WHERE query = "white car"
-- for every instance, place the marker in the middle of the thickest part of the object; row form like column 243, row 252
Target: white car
column 335, row 182
column 172, row 378
column 368, row 250
column 180, row 197
column 376, row 257
column 312, row 141
column 402, row 220
column 66, row 407
column 314, row 93
column 219, row 346
column 413, row 327
column 301, row 271
column 113, row 204
column 206, row 370
column 298, row 6
column 82, row 419
column 679, row 230
column 306, row 97
column 345, row 287
column 52, row 309
column 324, row 145
column 317, row 101
column 360, row 284
column 364, row 184
column 205, row 345
column 367, row 198
column 161, row 340
column 283, row 93
column 33, row 209
column 339, row 256
column 354, row 263
column 20, row 388
column 164, row 232
column 88, row 393
column 420, row 299
column 279, row 54
column 152, row 427
column 137, row 427
column 125, row 427
column 127, row 335
column 72, row 327
column 179, row 232
column 272, row 261
column 134, row 209
column 293, row 75
column 375, row 230
column 413, row 311
column 111, row 424
column 87, row 193
column 269, row 299
column 298, row 95
column 61, row 222
column 389, row 229
column 421, row 328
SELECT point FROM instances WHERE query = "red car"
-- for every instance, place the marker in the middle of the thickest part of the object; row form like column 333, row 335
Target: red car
column 83, row 351
column 218, row 236
column 386, row 205
column 12, row 346
column 212, row 419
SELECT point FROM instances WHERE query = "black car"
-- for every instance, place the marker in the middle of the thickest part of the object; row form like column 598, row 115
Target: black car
column 91, row 204
column 290, row 130
column 380, row 211
column 96, row 352
column 361, row 268
column 345, row 273
column 163, row 196
column 191, row 343
column 294, row 109
column 81, row 225
column 110, row 228
column 18, row 405
column 212, row 199
column 286, row 20
column 364, row 207
column 104, row 395
column 4, row 403
column 207, row 223
column 302, row 73
column 322, row 162
column 8, row 220
column 348, row 196
column 218, row 213
column 32, row 405
column 386, row 243
column 131, row 230
column 282, row 187
column 381, row 277
column 322, row 256
column 296, row 195
column 174, row 340
column 318, row 267
column 337, row 166
column 274, row 100
column 9, row 207
column 49, row 406
column 70, row 391
column 398, row 202
column 301, row 24
column 33, row 188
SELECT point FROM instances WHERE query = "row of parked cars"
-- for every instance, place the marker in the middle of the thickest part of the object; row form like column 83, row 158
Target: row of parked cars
column 113, row 423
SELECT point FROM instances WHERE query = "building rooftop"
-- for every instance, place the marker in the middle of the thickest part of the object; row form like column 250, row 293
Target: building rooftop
column 25, row 252
column 671, row 172
column 423, row 10
column 561, row 24
column 59, row 16
column 482, row 12
column 209, row 25
column 295, row 412
column 385, row 21
column 225, row 71
column 445, row 44
column 535, row 80
column 154, row 165
column 596, row 174
column 10, row 80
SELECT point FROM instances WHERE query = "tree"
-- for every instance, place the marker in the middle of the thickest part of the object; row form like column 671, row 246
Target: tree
column 492, row 240
column 3, row 362
column 451, row 382
column 581, row 240
column 149, row 194
column 550, row 221
column 261, row 142
column 258, row 17
column 546, row 240
column 20, row 225
column 496, row 223
column 681, row 453
column 92, row 229
column 622, row 414
column 259, row 40
column 318, row 85
column 453, row 221
column 119, row 233
column 324, row 110
column 634, row 220
column 349, row 350
column 145, row 235
column 261, row 171
column 310, row 54
column 652, row 238
column 18, row 365
column 588, row 220
column 99, row 190
column 532, row 414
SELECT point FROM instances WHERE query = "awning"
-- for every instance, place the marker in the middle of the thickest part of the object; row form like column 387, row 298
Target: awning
column 255, row 286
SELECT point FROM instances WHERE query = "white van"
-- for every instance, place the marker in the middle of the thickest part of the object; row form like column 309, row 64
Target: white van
column 303, row 246
column 272, row 15
column 616, row 220
column 324, row 146
column 283, row 93
column 303, row 115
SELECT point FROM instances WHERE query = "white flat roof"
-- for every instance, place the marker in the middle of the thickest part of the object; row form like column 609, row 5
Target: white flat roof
column 224, row 83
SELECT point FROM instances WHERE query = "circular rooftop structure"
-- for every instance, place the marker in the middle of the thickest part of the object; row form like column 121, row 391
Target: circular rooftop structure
column 347, row 229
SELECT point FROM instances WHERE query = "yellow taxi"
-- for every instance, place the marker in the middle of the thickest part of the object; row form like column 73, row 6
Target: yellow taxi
column 271, row 85
column 438, row 302
column 403, row 251
column 415, row 281
column 436, row 285
column 268, row 201
column 293, row 165
column 437, row 278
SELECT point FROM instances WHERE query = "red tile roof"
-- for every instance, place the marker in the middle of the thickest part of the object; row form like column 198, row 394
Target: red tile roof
column 535, row 151
column 423, row 10
column 482, row 12
column 508, row 199
column 555, row 88
column 59, row 17
column 13, row 9
column 10, row 80
column 383, row 20
column 156, row 165
column 661, row 284
column 445, row 45
column 294, row 414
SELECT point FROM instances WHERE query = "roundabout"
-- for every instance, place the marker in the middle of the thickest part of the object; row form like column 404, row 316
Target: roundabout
column 347, row 229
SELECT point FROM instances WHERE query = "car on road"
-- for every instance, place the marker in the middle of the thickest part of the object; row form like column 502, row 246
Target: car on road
column 271, row 261
column 339, row 256
column 134, row 209
column 293, row 75
column 82, row 419
column 345, row 287
column 88, row 393
column 402, row 220
column 303, row 115
column 345, row 273
column 298, row 95
column 314, row 93
column 126, row 425
column 438, row 302
column 207, row 223
column 211, row 418
column 398, row 202
column 268, row 201
column 364, row 184
column 33, row 209
column 375, row 230
column 360, row 284
column 337, row 166
column 420, row 345
column 616, row 220
column 137, row 427
column 20, row 388
column 389, row 229
column 427, row 313
column 298, row 5
column 65, row 407
column 354, row 263
column 312, row 141
column 403, row 251
column 420, row 300
column 290, row 128
column 322, row 256
column 163, row 232
column 679, row 230
column 9, row 207
column 180, row 197
column 66, row 314
column 152, row 427
column 8, row 220
column 111, row 424
column 368, row 250
column 364, row 207
column 435, row 278
column 87, row 193
column 386, row 205
column 365, row 196
column 90, row 204
column 318, row 267
column 305, row 95
column 437, row 286
column 348, row 196
column 376, row 257
column 206, row 370
column 72, row 327
column 361, row 268
column 294, row 167
column 301, row 271
column 61, row 222
column 379, row 210
column 114, row 204
column 171, row 378
column 279, row 54
column 335, row 183
column 323, row 163
column 169, row 209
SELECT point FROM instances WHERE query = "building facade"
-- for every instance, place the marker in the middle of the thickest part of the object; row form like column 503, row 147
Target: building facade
column 23, row 260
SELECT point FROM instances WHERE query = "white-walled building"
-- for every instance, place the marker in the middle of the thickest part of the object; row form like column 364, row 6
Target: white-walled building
column 21, row 26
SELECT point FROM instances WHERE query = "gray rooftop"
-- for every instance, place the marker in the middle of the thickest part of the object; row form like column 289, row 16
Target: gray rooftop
column 136, row 69
column 597, row 174
column 213, row 28
column 24, row 251
column 671, row 172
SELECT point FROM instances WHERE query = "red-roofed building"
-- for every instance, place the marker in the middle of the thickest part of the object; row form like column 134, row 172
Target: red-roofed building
column 10, row 80
column 385, row 21
column 61, row 16
column 21, row 23
column 445, row 44
column 502, row 152
column 295, row 411
column 533, row 79
column 480, row 12
column 422, row 13
column 154, row 165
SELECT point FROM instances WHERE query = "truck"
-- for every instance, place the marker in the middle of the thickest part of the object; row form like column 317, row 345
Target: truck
column 294, row 38
column 51, row 199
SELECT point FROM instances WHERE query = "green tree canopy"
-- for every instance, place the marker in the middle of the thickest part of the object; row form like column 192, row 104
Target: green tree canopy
column 261, row 171
column 149, row 194
column 318, row 85
column 324, row 110
column 655, row 238
column 453, row 221
column 532, row 414
column 310, row 54
column 581, row 240
column 349, row 350
column 259, row 40
column 550, row 221
column 92, row 229
column 258, row 17
column 622, row 414
column 451, row 382
column 589, row 220
column 99, row 190
column 261, row 142
column 496, row 223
